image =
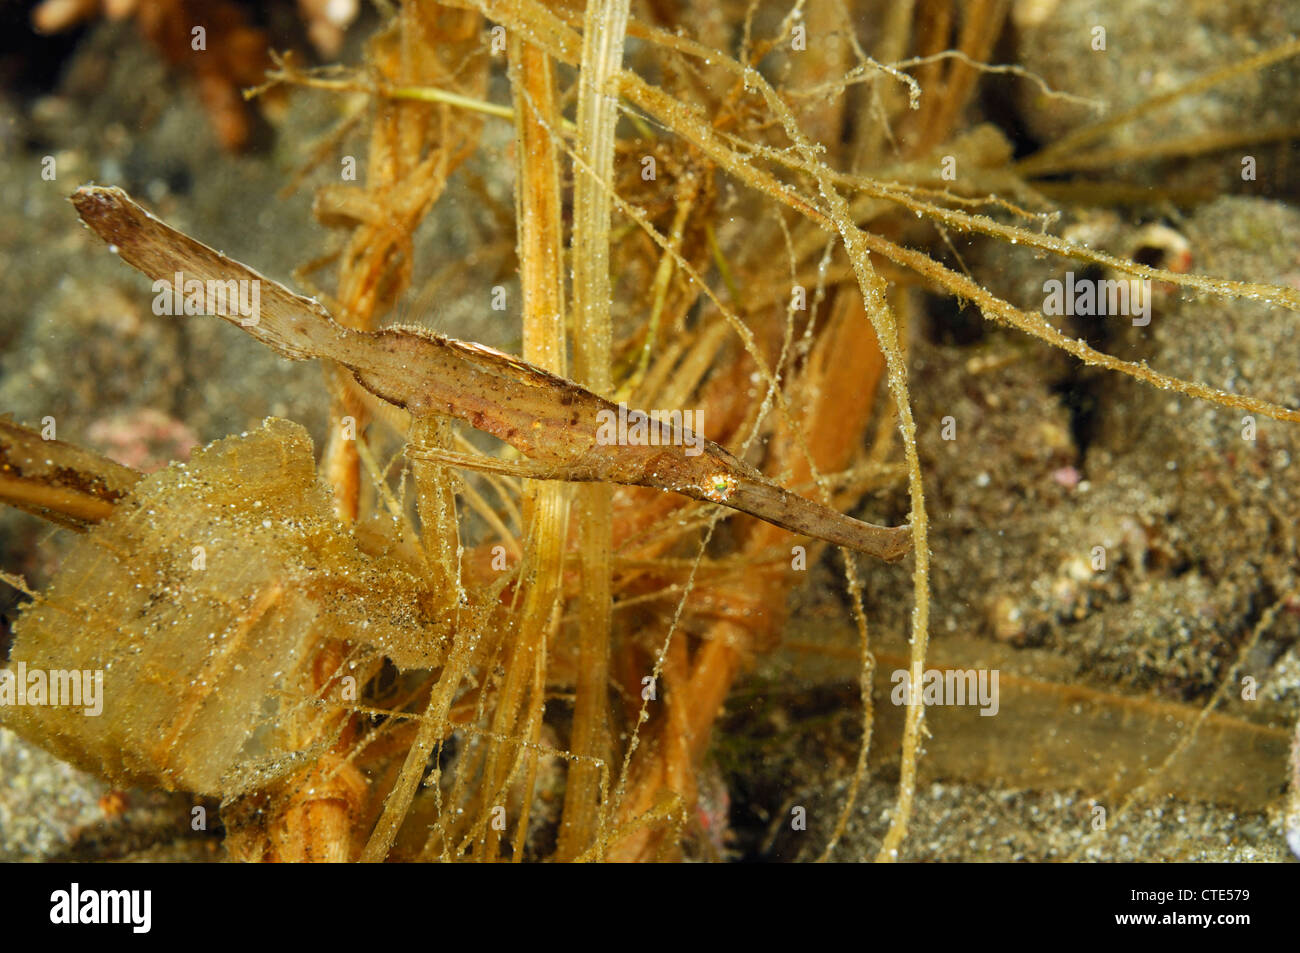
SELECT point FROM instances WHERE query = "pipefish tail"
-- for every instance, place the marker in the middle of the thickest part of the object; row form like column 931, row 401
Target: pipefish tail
column 554, row 422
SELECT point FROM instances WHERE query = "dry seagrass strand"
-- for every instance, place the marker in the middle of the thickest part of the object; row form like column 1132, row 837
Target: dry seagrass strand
column 551, row 420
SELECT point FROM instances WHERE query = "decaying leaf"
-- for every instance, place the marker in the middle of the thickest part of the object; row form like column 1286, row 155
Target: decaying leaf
column 203, row 600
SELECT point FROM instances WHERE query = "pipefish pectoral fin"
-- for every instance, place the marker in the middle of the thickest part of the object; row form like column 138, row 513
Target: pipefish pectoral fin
column 780, row 507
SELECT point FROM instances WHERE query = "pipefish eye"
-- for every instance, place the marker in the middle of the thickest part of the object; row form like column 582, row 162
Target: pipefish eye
column 719, row 487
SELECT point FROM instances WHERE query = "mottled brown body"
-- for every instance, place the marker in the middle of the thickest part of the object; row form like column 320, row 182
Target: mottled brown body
column 549, row 419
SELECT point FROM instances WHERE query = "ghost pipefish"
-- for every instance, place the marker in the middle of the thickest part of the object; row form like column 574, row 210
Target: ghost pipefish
column 552, row 421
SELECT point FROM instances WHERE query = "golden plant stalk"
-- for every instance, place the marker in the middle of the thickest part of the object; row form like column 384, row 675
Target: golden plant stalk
column 602, row 57
column 546, row 505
